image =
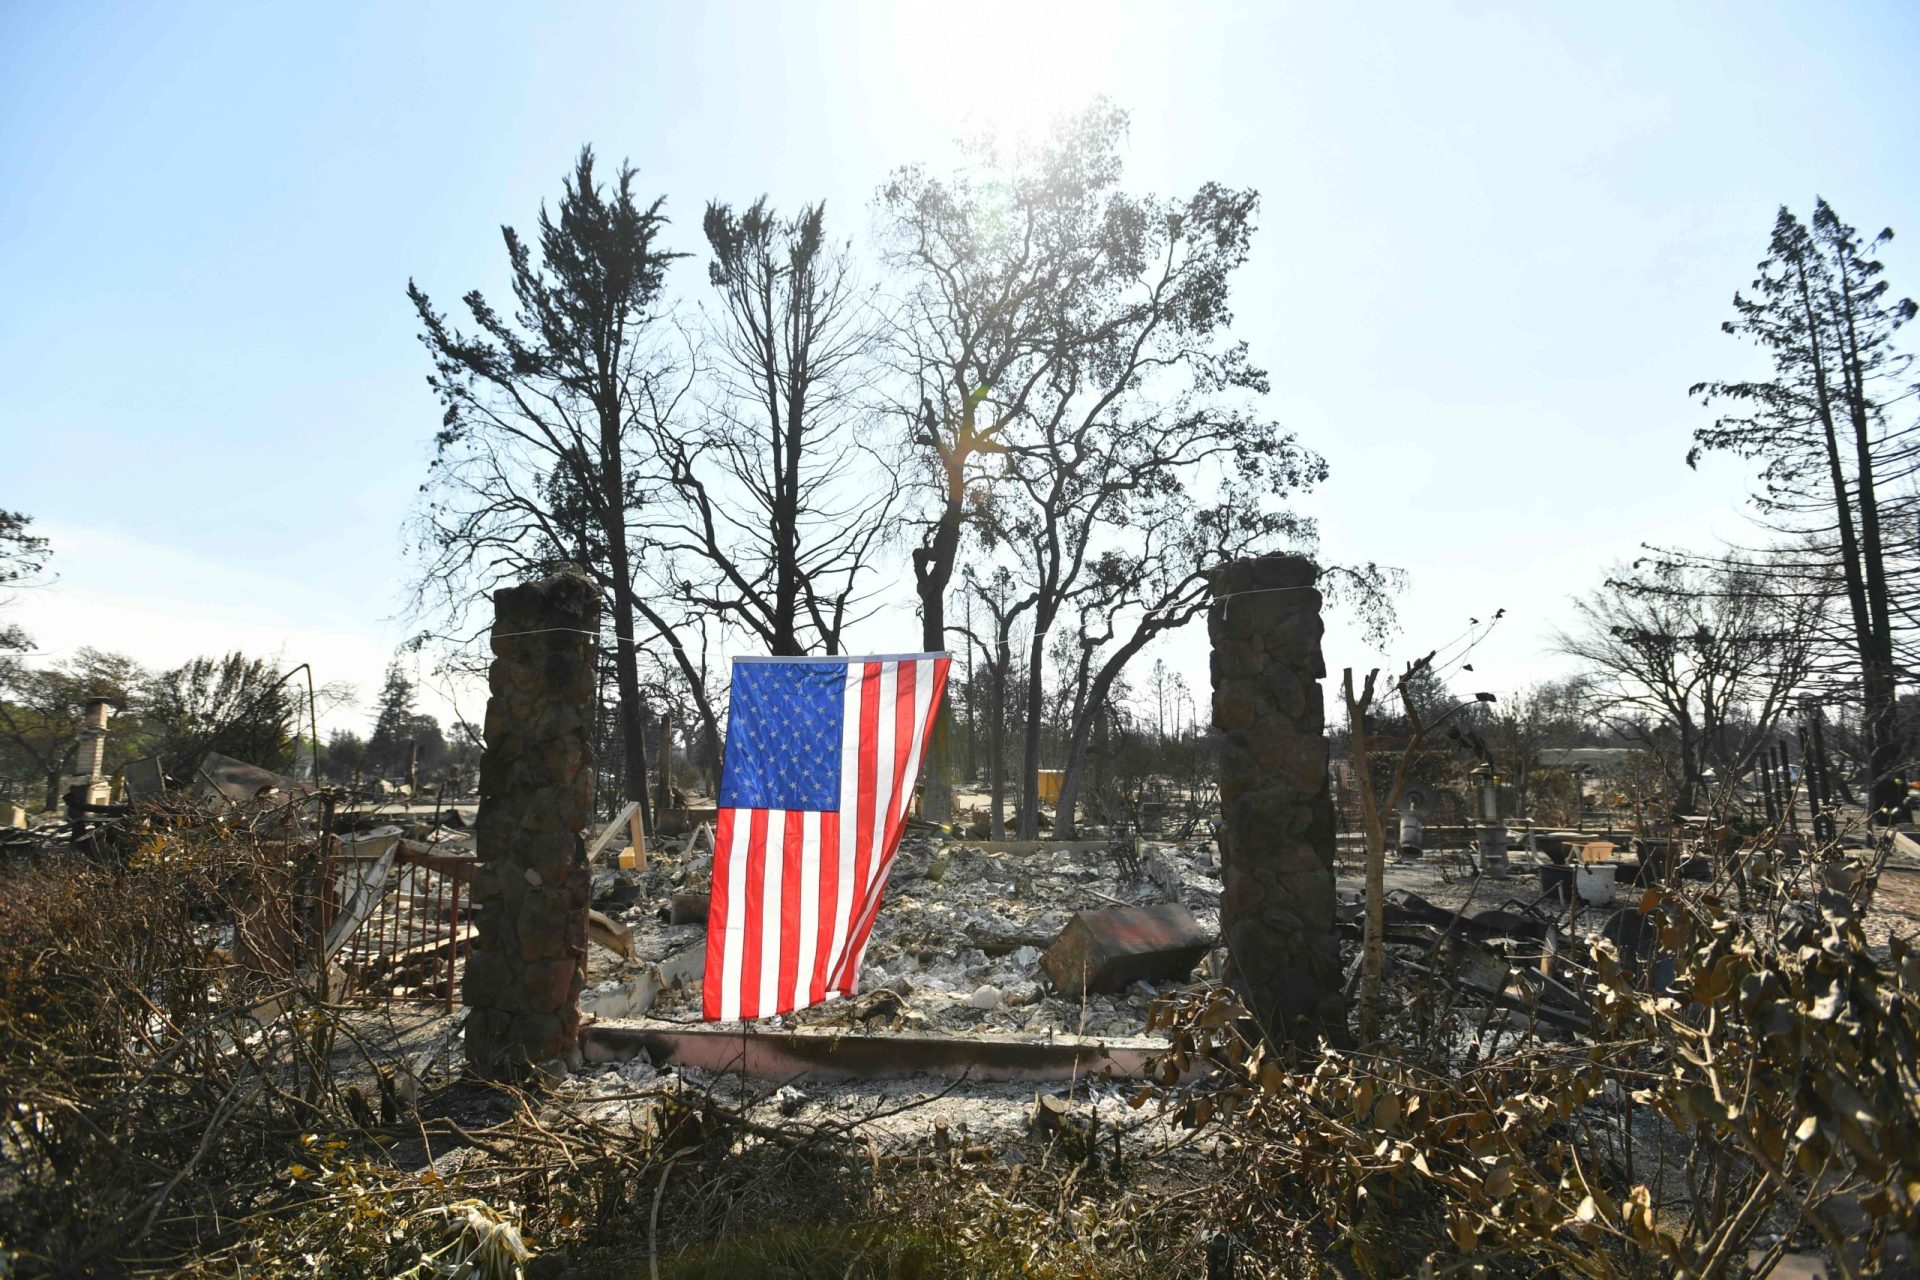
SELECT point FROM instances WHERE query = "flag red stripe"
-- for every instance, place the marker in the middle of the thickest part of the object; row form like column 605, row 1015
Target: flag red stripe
column 869, row 778
column 790, row 856
column 902, row 747
column 829, row 903
column 717, row 908
column 753, row 918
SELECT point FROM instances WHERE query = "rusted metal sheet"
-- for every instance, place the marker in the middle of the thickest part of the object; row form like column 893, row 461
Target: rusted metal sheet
column 223, row 781
column 687, row 908
column 680, row 822
column 1106, row 951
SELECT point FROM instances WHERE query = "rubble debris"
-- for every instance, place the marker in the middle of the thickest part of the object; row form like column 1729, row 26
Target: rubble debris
column 1403, row 906
column 1475, row 966
column 1040, row 846
column 683, row 821
column 144, row 777
column 1636, row 937
column 616, row 890
column 423, row 1063
column 631, row 993
column 627, row 817
column 368, row 845
column 1594, row 882
column 1049, row 1114
column 609, row 933
column 889, row 1003
column 365, row 895
column 1101, row 952
column 1156, row 870
column 622, row 997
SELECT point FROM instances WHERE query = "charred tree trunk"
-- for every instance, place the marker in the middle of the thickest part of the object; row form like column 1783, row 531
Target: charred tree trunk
column 1879, row 681
column 932, row 572
column 1036, row 711
column 1003, row 660
column 626, row 674
column 1081, row 733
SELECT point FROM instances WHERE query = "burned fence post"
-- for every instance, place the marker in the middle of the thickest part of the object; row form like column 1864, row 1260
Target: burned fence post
column 1277, row 841
column 531, row 885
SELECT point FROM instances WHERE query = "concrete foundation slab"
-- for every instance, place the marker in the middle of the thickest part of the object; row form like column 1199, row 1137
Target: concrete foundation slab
column 791, row 1055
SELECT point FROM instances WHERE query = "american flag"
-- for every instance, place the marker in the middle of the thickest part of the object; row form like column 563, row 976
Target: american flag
column 821, row 760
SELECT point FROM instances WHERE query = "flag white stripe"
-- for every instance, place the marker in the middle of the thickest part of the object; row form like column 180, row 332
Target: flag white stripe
column 880, row 781
column 736, row 931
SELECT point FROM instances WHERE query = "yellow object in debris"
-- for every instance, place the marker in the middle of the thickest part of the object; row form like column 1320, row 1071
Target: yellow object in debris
column 627, row 861
column 1050, row 780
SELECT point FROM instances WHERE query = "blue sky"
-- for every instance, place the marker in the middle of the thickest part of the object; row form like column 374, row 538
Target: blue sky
column 1496, row 246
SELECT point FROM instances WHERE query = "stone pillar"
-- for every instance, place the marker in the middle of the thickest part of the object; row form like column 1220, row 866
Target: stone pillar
column 531, row 888
column 1277, row 841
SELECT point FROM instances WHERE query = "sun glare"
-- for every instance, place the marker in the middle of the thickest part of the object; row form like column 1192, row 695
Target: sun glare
column 1006, row 70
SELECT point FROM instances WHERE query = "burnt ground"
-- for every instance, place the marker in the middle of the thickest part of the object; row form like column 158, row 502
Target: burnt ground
column 959, row 938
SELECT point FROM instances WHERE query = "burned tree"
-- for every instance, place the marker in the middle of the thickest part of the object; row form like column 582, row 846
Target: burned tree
column 1156, row 581
column 779, row 507
column 239, row 706
column 1148, row 406
column 1695, row 666
column 999, row 646
column 43, row 709
column 1838, row 464
column 539, row 458
column 23, row 554
column 1377, row 802
column 996, row 260
column 1525, row 723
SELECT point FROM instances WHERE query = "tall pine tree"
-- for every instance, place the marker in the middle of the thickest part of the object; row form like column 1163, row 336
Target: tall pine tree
column 1838, row 459
column 386, row 749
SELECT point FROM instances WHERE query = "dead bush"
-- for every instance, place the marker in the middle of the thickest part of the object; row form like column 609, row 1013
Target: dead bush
column 1766, row 1097
column 139, row 1087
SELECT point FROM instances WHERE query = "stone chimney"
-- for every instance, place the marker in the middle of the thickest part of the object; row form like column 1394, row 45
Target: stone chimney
column 93, row 752
column 530, row 891
column 1277, row 840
